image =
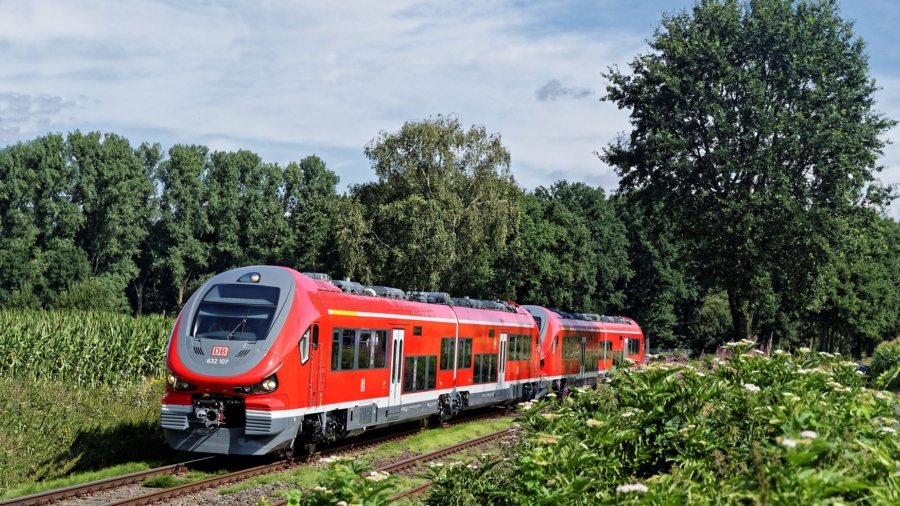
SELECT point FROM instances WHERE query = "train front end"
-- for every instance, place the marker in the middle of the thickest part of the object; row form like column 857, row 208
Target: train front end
column 228, row 364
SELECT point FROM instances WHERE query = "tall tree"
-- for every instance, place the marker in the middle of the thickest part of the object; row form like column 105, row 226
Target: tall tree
column 310, row 210
column 184, row 223
column 443, row 207
column 114, row 190
column 753, row 124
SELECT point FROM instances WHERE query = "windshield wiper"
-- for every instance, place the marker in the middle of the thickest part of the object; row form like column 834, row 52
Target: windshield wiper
column 242, row 325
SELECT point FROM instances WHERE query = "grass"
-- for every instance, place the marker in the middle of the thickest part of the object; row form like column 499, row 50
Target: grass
column 431, row 440
column 169, row 481
column 79, row 478
column 308, row 477
column 54, row 434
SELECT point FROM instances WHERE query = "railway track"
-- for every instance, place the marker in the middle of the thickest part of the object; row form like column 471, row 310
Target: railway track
column 187, row 488
column 97, row 486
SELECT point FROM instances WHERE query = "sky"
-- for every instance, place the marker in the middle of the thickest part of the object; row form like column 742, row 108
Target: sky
column 291, row 79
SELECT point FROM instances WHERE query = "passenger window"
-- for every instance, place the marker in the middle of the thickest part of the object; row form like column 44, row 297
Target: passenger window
column 336, row 351
column 347, row 345
column 464, row 360
column 409, row 372
column 447, row 353
column 553, row 345
column 304, row 347
column 364, row 353
column 380, row 345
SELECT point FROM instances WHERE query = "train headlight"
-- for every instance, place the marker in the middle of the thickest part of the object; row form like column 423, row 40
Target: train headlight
column 178, row 384
column 263, row 387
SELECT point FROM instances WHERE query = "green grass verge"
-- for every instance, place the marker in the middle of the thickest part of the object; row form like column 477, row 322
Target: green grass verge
column 428, row 441
column 56, row 434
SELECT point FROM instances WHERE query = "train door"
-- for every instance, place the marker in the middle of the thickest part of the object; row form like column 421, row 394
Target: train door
column 316, row 369
column 396, row 371
column 501, row 367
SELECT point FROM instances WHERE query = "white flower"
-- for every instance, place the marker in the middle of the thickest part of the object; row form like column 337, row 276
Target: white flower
column 751, row 387
column 634, row 487
column 700, row 374
column 320, row 489
column 594, row 423
column 804, row 350
column 880, row 395
column 887, row 430
column 779, row 352
column 625, row 415
column 860, row 373
column 436, row 464
column 376, row 476
column 551, row 395
column 811, row 434
column 342, row 503
column 790, row 443
column 825, row 354
column 759, row 352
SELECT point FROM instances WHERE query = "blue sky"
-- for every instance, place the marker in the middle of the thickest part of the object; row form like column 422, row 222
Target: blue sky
column 290, row 79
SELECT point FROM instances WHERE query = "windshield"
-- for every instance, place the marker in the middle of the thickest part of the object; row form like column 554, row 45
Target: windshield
column 236, row 312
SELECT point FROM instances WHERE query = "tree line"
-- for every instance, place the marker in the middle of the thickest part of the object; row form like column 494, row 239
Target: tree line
column 748, row 203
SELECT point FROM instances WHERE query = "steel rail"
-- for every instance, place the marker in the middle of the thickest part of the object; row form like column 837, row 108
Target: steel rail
column 99, row 485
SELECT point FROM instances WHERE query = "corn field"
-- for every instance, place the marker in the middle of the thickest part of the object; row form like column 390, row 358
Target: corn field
column 86, row 348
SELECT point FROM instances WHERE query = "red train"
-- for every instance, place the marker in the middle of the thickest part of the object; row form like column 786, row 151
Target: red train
column 265, row 358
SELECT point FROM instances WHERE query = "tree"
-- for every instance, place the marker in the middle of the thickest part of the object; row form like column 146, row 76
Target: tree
column 753, row 126
column 114, row 190
column 184, row 223
column 309, row 207
column 443, row 208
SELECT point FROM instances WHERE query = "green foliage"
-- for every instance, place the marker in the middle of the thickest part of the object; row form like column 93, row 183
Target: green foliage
column 885, row 365
column 101, row 293
column 753, row 127
column 50, row 429
column 741, row 428
column 82, row 348
column 348, row 481
column 442, row 211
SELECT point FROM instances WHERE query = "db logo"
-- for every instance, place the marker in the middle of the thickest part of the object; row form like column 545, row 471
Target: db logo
column 220, row 351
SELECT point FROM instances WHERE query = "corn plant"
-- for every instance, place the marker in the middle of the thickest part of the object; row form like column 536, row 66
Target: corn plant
column 86, row 348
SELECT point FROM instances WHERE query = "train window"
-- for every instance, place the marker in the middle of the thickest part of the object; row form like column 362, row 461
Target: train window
column 336, row 351
column 634, row 346
column 380, row 346
column 417, row 331
column 448, row 352
column 485, row 368
column 315, row 339
column 571, row 347
column 304, row 347
column 555, row 342
column 364, row 350
column 464, row 359
column 606, row 350
column 409, row 373
column 490, row 333
column 519, row 347
column 420, row 373
column 347, row 348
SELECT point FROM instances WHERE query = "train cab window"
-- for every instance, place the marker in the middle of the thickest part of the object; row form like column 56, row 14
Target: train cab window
column 304, row 347
column 464, row 359
column 380, row 345
column 419, row 373
column 448, row 352
column 485, row 368
column 236, row 312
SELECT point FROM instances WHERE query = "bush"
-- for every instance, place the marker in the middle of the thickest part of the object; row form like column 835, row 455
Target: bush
column 885, row 364
column 749, row 429
column 102, row 293
column 346, row 481
column 50, row 429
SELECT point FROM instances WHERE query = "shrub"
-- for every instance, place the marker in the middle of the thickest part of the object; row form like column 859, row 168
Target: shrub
column 886, row 364
column 749, row 429
column 346, row 481
column 102, row 293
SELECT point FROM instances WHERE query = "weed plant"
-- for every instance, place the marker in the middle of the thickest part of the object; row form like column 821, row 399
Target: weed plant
column 82, row 347
column 743, row 427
